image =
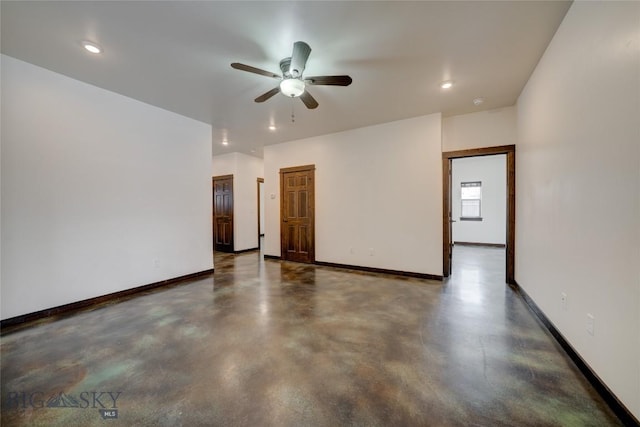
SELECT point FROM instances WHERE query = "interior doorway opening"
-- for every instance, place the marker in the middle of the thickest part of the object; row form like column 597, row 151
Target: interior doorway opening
column 478, row 201
column 448, row 208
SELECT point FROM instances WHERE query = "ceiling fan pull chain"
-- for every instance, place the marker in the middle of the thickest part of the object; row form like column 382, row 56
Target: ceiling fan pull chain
column 293, row 117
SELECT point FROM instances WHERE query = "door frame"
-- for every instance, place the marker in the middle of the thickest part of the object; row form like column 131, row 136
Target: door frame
column 213, row 209
column 312, row 210
column 447, row 157
column 260, row 232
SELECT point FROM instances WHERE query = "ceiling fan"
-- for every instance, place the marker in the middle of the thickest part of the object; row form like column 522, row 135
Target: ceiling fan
column 292, row 84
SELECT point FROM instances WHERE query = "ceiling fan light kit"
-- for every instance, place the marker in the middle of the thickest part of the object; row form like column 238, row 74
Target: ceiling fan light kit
column 292, row 84
column 292, row 87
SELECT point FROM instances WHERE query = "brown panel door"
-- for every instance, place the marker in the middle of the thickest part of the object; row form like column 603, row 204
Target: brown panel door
column 297, row 236
column 223, row 213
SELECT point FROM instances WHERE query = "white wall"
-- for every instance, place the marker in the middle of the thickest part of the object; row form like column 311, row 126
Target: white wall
column 225, row 164
column 489, row 128
column 245, row 170
column 246, row 201
column 578, row 183
column 377, row 187
column 492, row 172
column 100, row 193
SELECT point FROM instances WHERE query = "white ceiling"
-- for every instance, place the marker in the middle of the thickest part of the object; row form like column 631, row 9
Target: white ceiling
column 176, row 55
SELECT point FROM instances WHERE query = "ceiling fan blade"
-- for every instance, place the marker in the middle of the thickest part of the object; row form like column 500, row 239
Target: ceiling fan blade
column 255, row 70
column 329, row 80
column 267, row 95
column 309, row 100
column 301, row 52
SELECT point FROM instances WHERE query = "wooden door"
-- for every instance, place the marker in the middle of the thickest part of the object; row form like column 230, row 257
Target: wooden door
column 223, row 213
column 297, row 235
column 448, row 220
column 260, row 191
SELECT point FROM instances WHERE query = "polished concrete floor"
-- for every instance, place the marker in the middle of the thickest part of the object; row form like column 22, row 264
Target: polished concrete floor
column 270, row 343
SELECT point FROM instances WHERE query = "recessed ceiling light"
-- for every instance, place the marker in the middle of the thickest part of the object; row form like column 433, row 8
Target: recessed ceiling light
column 446, row 85
column 478, row 101
column 225, row 142
column 272, row 127
column 91, row 47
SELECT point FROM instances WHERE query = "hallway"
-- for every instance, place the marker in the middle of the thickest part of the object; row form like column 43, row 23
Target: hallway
column 271, row 343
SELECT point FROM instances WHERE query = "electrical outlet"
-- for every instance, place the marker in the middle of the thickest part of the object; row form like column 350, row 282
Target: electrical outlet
column 563, row 300
column 590, row 323
column 351, row 250
column 156, row 263
column 371, row 252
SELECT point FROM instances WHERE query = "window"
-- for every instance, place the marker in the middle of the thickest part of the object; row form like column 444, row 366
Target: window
column 471, row 198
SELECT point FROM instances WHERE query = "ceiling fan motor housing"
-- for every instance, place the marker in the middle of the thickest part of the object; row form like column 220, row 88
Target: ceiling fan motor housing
column 285, row 65
column 291, row 85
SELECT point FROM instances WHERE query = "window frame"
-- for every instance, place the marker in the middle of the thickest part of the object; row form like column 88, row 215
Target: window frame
column 464, row 184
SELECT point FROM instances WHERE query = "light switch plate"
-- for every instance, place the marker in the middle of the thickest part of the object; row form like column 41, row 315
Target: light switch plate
column 590, row 323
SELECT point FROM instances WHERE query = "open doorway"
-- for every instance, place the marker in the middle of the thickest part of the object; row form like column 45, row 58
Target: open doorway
column 473, row 212
column 478, row 195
